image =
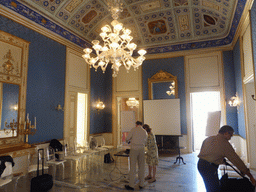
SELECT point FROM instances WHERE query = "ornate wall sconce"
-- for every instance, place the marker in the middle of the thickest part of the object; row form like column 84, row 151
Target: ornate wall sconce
column 59, row 108
column 132, row 102
column 172, row 87
column 99, row 105
column 234, row 101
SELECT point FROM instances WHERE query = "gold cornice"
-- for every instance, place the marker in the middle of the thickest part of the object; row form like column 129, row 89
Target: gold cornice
column 37, row 28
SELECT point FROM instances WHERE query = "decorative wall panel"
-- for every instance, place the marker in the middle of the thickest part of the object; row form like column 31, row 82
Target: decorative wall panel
column 127, row 81
column 247, row 56
column 204, row 71
column 13, row 70
column 77, row 69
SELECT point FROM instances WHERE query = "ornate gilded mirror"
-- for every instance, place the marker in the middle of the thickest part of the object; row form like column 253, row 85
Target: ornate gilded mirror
column 9, row 105
column 162, row 85
column 13, row 83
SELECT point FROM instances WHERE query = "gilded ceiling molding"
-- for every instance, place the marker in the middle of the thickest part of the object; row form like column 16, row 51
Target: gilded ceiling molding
column 243, row 20
column 85, row 19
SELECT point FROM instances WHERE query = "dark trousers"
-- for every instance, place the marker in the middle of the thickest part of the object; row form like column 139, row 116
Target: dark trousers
column 209, row 173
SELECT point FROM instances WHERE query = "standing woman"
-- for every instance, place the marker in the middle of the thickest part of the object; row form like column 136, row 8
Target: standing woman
column 152, row 155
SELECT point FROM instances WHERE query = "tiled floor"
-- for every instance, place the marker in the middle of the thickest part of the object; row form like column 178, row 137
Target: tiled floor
column 112, row 177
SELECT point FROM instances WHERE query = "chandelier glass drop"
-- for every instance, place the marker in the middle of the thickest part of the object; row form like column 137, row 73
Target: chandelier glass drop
column 117, row 47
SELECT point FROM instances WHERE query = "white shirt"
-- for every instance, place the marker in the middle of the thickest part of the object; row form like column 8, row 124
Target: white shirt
column 137, row 136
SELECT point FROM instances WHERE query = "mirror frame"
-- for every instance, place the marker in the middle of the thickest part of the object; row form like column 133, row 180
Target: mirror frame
column 161, row 77
column 18, row 50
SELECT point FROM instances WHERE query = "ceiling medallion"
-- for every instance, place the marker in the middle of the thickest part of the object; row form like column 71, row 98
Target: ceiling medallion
column 117, row 47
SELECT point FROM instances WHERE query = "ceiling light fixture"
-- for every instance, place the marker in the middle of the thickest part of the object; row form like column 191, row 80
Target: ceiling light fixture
column 132, row 102
column 117, row 47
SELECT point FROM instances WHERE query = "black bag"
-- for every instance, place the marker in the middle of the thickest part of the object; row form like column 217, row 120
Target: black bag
column 108, row 158
column 235, row 184
column 57, row 146
column 41, row 183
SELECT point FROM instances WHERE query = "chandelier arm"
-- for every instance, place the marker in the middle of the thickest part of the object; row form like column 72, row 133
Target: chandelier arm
column 124, row 43
column 97, row 52
column 107, row 42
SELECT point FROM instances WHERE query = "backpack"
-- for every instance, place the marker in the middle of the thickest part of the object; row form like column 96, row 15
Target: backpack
column 108, row 158
column 57, row 146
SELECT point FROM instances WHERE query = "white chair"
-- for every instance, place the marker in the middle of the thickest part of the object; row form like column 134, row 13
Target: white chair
column 51, row 160
column 70, row 153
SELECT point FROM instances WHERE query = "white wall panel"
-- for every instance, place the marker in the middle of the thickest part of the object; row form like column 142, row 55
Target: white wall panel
column 204, row 71
column 77, row 70
column 127, row 81
column 247, row 49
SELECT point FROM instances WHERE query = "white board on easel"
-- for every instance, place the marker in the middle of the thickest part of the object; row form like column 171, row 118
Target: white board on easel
column 163, row 116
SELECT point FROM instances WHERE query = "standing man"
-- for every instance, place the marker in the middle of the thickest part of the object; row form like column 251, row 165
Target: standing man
column 137, row 137
column 213, row 151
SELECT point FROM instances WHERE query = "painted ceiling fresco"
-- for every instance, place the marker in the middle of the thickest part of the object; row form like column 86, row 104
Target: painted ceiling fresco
column 159, row 26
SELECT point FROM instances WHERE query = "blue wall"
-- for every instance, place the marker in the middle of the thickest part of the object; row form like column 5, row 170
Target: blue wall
column 101, row 88
column 230, row 89
column 175, row 66
column 45, row 80
column 239, row 89
column 233, row 85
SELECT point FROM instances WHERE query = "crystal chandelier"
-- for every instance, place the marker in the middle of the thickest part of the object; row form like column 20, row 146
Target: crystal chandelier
column 132, row 102
column 172, row 87
column 117, row 47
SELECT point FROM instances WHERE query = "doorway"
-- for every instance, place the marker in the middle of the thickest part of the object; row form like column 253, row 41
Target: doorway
column 76, row 118
column 127, row 116
column 201, row 104
column 81, row 133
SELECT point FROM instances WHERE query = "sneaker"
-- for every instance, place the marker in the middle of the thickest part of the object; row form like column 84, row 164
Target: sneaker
column 129, row 188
